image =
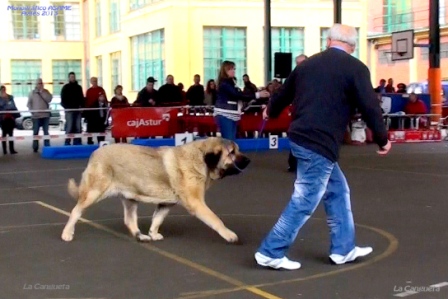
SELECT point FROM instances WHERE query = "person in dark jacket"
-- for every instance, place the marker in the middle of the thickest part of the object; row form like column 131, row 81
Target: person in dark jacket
column 229, row 101
column 169, row 93
column 148, row 96
column 323, row 91
column 72, row 97
column 8, row 118
column 97, row 119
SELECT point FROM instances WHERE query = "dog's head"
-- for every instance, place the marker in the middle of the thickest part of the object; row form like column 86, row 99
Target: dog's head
column 223, row 157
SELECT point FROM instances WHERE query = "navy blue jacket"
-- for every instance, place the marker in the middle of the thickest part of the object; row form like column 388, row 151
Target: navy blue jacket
column 228, row 95
column 324, row 90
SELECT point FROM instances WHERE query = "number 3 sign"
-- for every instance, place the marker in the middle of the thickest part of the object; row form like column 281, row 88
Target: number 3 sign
column 273, row 142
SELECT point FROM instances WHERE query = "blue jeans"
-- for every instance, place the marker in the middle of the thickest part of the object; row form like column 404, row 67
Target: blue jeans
column 37, row 124
column 227, row 127
column 73, row 126
column 317, row 178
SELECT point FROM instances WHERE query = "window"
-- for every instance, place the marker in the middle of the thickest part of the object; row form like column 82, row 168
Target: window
column 148, row 58
column 136, row 4
column 287, row 40
column 99, row 70
column 424, row 52
column 98, row 18
column 221, row 44
column 383, row 57
column 24, row 26
column 24, row 74
column 397, row 15
column 323, row 40
column 67, row 23
column 115, row 63
column 61, row 68
column 114, row 16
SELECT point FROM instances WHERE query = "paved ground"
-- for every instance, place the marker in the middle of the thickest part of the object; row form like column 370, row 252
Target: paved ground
column 399, row 204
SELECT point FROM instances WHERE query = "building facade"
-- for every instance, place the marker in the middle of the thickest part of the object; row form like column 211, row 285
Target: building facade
column 387, row 16
column 131, row 40
column 48, row 45
column 126, row 41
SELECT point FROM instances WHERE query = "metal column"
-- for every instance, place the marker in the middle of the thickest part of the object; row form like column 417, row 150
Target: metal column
column 267, row 41
column 337, row 9
column 434, row 73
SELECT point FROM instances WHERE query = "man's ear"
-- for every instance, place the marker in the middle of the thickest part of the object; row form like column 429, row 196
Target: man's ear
column 212, row 159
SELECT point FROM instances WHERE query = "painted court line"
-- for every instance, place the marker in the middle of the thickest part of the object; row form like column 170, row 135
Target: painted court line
column 393, row 246
column 40, row 170
column 417, row 290
column 171, row 256
column 33, row 187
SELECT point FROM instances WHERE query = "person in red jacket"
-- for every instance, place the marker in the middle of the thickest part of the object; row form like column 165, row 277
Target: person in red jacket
column 416, row 106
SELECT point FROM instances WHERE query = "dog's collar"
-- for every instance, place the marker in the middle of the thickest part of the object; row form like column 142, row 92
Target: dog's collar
column 233, row 161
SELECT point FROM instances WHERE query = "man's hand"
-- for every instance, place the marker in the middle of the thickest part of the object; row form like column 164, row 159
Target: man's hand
column 385, row 149
column 265, row 112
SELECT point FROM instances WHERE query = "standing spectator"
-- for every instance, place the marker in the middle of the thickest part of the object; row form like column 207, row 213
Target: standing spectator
column 148, row 96
column 382, row 87
column 117, row 102
column 184, row 94
column 7, row 120
column 170, row 94
column 195, row 94
column 249, row 87
column 390, row 86
column 97, row 119
column 229, row 101
column 40, row 99
column 92, row 96
column 72, row 97
column 316, row 132
column 210, row 93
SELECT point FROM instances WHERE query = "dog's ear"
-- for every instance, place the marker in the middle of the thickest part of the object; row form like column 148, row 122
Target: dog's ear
column 212, row 159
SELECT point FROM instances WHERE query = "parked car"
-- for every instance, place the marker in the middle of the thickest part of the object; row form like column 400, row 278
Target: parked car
column 422, row 87
column 24, row 122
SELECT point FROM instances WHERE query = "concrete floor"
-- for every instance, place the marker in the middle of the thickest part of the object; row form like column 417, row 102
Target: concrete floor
column 399, row 202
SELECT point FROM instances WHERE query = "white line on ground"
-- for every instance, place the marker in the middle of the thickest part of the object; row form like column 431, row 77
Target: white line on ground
column 33, row 187
column 416, row 290
column 16, row 203
column 401, row 171
column 40, row 170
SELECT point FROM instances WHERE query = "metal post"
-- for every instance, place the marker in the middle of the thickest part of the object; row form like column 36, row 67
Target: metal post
column 337, row 9
column 434, row 73
column 267, row 41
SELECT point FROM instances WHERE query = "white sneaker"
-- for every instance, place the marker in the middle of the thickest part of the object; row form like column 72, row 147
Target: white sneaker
column 351, row 256
column 282, row 263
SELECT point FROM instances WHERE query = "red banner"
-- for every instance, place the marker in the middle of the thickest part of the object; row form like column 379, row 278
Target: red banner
column 144, row 122
column 415, row 136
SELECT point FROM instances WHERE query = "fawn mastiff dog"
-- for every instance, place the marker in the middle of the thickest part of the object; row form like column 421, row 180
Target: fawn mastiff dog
column 164, row 176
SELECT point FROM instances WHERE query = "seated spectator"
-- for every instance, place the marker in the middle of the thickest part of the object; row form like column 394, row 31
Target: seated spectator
column 416, row 106
column 401, row 88
column 117, row 102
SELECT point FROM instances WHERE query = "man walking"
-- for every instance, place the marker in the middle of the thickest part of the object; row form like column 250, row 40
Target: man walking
column 323, row 90
column 39, row 99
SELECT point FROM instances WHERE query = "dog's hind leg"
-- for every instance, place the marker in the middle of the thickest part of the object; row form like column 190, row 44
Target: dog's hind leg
column 131, row 219
column 69, row 229
column 158, row 217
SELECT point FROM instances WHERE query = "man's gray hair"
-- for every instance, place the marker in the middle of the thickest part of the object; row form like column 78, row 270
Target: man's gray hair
column 343, row 33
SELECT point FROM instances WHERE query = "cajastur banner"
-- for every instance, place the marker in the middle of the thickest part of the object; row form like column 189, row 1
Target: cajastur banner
column 144, row 122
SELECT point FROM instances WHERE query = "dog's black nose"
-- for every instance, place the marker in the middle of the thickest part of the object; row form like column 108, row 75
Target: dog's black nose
column 243, row 162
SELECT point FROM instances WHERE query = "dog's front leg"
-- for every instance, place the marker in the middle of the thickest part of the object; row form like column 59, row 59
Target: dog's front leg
column 159, row 215
column 203, row 213
column 131, row 220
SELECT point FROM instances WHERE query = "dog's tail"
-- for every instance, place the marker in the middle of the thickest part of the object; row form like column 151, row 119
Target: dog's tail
column 73, row 189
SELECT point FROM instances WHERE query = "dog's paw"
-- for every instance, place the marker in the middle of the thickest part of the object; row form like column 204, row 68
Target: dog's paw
column 142, row 238
column 156, row 236
column 67, row 236
column 230, row 236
